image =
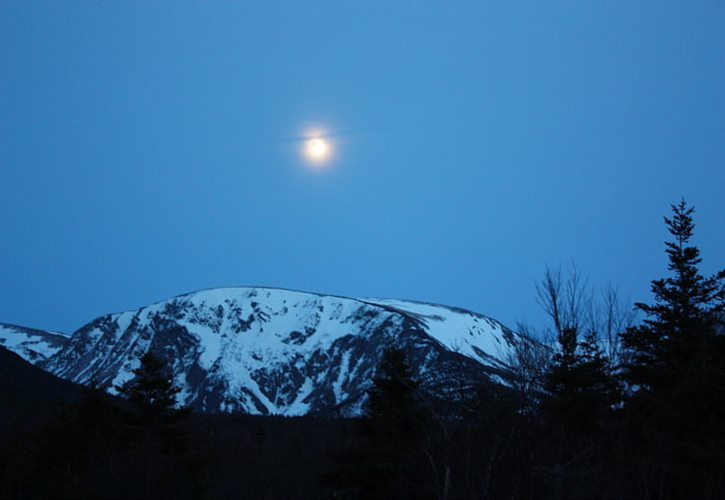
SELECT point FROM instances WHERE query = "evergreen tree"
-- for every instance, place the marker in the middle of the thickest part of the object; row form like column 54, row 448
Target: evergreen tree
column 393, row 401
column 387, row 457
column 393, row 427
column 166, row 465
column 581, row 393
column 680, row 331
column 152, row 389
column 676, row 367
column 581, row 389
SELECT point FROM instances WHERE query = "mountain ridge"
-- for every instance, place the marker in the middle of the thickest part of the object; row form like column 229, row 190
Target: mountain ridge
column 263, row 350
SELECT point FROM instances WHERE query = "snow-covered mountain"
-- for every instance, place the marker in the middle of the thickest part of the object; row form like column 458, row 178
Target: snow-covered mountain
column 35, row 346
column 275, row 351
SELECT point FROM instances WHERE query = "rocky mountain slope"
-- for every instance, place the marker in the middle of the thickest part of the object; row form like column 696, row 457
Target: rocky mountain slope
column 35, row 346
column 273, row 351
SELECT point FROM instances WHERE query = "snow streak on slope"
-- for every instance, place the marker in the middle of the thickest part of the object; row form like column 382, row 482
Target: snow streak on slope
column 274, row 351
column 34, row 346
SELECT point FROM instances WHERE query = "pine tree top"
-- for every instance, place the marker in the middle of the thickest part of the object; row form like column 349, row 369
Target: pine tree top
column 152, row 390
column 686, row 299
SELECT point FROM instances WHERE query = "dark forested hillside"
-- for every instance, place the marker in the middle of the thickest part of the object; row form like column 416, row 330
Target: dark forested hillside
column 29, row 394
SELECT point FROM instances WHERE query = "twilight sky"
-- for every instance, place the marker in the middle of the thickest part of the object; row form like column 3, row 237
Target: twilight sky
column 149, row 149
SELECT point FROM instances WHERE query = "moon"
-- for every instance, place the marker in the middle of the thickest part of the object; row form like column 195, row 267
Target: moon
column 317, row 150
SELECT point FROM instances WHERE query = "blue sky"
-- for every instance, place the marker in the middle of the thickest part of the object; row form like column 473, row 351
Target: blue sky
column 148, row 149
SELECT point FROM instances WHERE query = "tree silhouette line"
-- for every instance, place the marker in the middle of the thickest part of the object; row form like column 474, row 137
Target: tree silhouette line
column 612, row 409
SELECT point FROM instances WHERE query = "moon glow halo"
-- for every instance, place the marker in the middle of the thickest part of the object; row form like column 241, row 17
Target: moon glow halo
column 317, row 150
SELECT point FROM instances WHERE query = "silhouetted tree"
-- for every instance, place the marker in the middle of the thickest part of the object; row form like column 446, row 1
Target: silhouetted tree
column 395, row 423
column 165, row 465
column 581, row 388
column 151, row 390
column 387, row 457
column 393, row 401
column 676, row 370
column 683, row 318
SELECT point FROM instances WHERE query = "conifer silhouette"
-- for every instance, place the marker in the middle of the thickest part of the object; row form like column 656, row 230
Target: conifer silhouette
column 676, row 368
column 151, row 390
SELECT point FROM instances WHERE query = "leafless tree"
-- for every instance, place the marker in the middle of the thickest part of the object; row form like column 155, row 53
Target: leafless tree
column 570, row 303
column 528, row 361
column 564, row 298
column 608, row 317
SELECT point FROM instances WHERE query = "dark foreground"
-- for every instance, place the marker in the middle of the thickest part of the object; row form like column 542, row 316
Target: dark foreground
column 94, row 446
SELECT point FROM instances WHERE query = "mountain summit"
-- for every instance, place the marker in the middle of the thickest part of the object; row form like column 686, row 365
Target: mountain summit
column 274, row 351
